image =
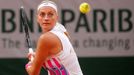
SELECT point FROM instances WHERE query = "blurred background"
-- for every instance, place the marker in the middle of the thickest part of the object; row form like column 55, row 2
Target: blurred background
column 102, row 38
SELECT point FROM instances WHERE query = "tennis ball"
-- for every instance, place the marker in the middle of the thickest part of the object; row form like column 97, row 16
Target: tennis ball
column 84, row 8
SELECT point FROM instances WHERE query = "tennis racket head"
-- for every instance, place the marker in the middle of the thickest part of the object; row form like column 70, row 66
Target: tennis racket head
column 24, row 22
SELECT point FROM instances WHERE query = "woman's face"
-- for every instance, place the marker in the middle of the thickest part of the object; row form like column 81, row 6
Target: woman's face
column 47, row 18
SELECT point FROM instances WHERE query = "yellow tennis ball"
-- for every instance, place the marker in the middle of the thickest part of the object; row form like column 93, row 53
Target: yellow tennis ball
column 84, row 8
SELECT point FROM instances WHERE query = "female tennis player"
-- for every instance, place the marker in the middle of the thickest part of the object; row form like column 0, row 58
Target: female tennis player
column 54, row 51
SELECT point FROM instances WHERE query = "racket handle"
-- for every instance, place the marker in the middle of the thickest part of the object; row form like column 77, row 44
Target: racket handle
column 31, row 52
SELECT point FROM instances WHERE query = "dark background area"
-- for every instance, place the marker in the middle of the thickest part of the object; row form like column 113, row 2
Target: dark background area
column 90, row 66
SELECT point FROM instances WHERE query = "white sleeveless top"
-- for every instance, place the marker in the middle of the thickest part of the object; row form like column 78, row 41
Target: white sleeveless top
column 65, row 62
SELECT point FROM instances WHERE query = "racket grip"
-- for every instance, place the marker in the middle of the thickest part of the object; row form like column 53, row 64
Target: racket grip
column 31, row 52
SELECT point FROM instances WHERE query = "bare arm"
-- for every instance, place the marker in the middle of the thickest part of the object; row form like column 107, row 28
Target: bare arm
column 46, row 44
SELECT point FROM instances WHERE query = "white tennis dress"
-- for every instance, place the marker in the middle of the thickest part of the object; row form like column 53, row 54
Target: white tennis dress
column 65, row 62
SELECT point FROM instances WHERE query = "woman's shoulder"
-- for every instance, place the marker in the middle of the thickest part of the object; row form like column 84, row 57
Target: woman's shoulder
column 49, row 38
column 51, row 42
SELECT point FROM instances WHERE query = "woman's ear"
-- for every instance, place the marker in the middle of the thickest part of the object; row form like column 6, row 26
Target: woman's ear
column 57, row 17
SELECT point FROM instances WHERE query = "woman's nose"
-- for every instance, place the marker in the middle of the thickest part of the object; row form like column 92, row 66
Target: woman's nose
column 46, row 17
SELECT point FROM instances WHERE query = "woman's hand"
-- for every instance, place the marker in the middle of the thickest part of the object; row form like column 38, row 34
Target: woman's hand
column 30, row 56
column 28, row 67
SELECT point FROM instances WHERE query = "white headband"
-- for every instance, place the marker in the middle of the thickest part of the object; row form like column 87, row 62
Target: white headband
column 47, row 3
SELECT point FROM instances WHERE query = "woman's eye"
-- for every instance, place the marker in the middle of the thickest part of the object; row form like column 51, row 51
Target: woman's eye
column 50, row 14
column 42, row 14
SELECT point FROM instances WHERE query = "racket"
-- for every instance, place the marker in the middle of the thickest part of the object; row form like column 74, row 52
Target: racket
column 24, row 22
